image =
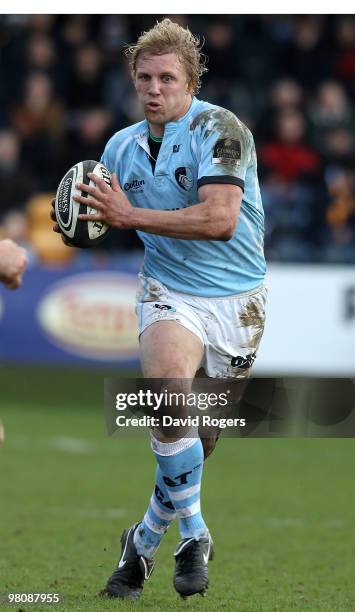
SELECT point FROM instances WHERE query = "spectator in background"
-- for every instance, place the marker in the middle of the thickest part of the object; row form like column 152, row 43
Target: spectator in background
column 39, row 112
column 256, row 55
column 85, row 84
column 331, row 110
column 341, row 189
column 113, row 33
column 340, row 215
column 40, row 53
column 42, row 24
column 221, row 49
column 15, row 183
column 287, row 157
column 285, row 94
column 89, row 135
column 307, row 56
column 345, row 54
column 331, row 107
column 120, row 96
column 290, row 187
column 118, row 89
column 74, row 33
column 39, row 120
column 15, row 227
column 338, row 148
column 223, row 68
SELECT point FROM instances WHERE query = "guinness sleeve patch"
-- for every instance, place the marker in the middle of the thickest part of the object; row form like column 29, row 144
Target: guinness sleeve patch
column 227, row 151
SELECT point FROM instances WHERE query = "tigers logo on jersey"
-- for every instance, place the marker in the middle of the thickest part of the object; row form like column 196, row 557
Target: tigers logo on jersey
column 184, row 178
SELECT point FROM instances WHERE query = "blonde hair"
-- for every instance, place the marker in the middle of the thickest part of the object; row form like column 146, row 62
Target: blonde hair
column 169, row 37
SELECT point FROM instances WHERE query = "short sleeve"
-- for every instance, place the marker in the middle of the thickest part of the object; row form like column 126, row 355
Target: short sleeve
column 223, row 147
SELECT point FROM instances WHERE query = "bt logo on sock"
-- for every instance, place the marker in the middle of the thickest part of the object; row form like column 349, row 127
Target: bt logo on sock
column 182, row 478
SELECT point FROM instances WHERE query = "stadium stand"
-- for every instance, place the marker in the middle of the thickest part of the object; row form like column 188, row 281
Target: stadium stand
column 291, row 79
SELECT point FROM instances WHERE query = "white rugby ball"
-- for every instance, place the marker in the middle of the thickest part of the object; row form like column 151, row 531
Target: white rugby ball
column 77, row 232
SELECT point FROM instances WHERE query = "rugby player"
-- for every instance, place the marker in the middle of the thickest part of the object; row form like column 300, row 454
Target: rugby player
column 186, row 179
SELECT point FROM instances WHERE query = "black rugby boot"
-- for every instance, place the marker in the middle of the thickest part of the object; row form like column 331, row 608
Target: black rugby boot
column 132, row 570
column 191, row 573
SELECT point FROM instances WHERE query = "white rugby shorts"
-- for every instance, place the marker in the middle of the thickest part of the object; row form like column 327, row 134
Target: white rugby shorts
column 230, row 328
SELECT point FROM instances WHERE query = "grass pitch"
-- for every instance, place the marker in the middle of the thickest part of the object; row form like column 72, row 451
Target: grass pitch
column 281, row 512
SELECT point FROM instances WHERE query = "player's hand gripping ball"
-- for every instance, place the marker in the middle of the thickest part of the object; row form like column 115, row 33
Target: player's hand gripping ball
column 80, row 233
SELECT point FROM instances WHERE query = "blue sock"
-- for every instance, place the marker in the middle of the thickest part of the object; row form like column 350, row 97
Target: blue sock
column 181, row 464
column 159, row 515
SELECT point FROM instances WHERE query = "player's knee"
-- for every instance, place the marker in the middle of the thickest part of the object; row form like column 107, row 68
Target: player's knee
column 172, row 372
column 209, row 445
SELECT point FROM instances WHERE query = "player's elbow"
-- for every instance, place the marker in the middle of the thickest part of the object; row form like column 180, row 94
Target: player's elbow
column 228, row 230
column 221, row 220
column 222, row 227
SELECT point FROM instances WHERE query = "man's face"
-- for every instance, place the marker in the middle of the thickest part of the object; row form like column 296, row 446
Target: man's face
column 162, row 88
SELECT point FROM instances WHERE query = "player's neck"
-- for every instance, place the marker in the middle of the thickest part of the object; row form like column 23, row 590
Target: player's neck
column 156, row 131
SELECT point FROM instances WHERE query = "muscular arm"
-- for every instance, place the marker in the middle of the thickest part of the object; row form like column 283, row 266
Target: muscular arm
column 213, row 218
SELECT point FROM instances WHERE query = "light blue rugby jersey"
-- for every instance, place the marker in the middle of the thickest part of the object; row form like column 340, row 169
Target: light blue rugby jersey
column 207, row 145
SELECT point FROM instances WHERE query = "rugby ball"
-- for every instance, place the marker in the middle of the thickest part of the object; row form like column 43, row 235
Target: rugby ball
column 80, row 233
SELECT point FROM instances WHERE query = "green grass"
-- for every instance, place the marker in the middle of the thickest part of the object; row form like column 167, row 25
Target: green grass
column 281, row 511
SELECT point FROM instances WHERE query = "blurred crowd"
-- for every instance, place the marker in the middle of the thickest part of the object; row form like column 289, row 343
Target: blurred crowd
column 66, row 88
